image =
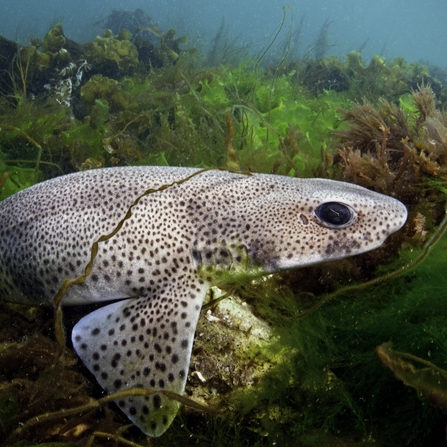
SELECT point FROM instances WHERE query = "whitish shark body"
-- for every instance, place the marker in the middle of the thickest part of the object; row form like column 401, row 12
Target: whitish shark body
column 160, row 263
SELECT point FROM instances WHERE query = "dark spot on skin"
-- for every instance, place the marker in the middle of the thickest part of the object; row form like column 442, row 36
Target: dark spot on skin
column 161, row 366
column 157, row 401
column 96, row 331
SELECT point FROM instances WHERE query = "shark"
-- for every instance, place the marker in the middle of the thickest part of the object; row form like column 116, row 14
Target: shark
column 163, row 236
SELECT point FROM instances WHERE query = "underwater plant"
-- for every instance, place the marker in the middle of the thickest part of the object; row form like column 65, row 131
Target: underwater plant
column 392, row 148
column 429, row 381
column 322, row 42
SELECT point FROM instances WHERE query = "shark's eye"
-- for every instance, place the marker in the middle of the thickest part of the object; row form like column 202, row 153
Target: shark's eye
column 335, row 215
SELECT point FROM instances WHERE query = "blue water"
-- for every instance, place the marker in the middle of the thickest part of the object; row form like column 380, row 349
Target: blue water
column 413, row 29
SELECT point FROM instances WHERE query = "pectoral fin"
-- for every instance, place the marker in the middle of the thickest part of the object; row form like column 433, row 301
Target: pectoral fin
column 142, row 342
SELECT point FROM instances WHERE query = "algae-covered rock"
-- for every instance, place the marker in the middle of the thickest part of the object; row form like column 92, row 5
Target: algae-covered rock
column 42, row 60
column 125, row 34
column 54, row 40
column 113, row 54
column 354, row 61
column 228, row 350
column 101, row 87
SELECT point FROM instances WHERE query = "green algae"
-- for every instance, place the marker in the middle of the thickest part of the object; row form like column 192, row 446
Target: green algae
column 429, row 381
column 99, row 87
column 281, row 125
column 15, row 179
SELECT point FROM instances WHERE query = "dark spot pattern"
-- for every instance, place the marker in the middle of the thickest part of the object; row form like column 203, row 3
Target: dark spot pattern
column 165, row 257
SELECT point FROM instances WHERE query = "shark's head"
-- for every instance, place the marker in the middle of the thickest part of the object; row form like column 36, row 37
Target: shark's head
column 318, row 220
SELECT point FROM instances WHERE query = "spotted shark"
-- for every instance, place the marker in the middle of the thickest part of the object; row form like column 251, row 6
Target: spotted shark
column 162, row 235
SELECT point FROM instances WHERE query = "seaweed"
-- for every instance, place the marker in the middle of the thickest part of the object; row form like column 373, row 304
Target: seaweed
column 154, row 109
column 394, row 148
column 322, row 43
column 429, row 381
column 14, row 179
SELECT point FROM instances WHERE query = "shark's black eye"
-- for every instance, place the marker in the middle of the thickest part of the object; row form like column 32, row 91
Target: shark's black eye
column 335, row 215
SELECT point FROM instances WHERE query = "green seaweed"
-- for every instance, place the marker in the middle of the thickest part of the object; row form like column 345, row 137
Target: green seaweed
column 106, row 89
column 15, row 179
column 429, row 381
column 91, row 133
